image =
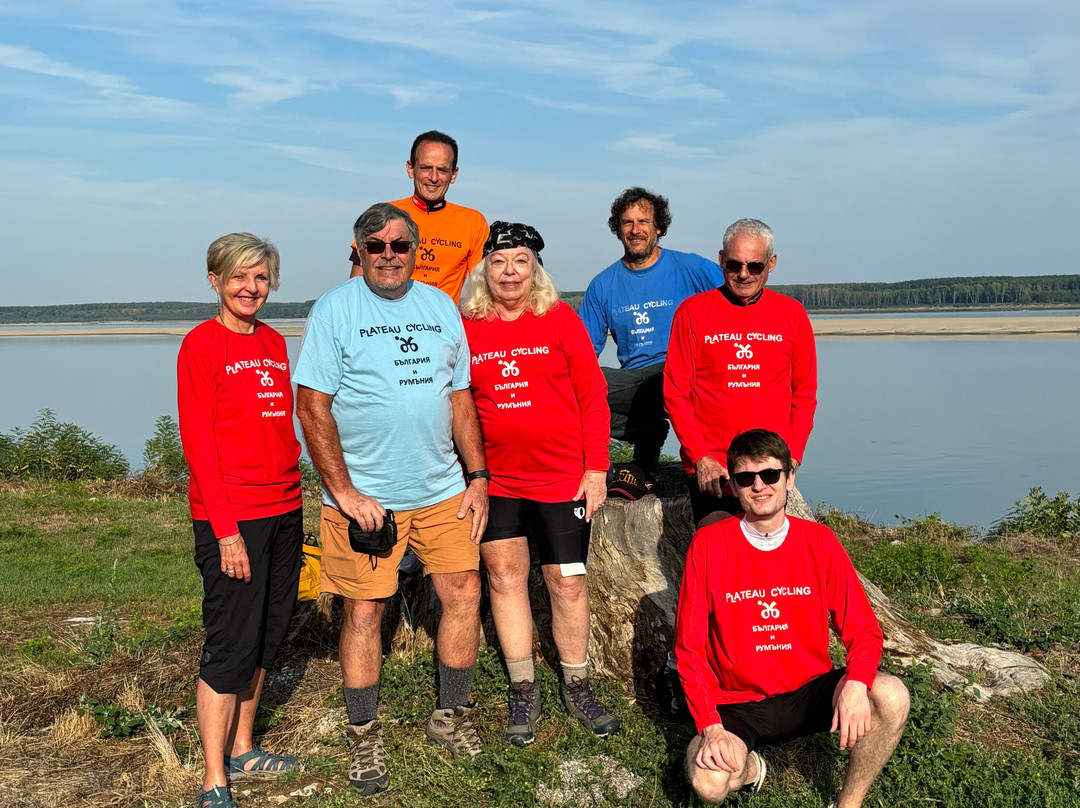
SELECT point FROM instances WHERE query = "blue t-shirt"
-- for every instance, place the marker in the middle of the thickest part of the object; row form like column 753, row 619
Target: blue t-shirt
column 390, row 366
column 637, row 305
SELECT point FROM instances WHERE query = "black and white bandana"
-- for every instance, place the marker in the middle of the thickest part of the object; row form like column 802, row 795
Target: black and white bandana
column 507, row 235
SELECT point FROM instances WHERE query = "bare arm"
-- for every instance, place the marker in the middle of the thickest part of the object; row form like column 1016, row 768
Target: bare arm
column 470, row 443
column 324, row 446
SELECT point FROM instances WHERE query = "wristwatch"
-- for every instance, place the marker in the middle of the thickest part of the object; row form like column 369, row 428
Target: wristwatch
column 479, row 474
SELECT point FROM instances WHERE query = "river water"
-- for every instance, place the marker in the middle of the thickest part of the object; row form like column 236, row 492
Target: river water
column 905, row 428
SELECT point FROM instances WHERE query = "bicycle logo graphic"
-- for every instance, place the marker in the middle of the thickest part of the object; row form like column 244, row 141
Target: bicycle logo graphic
column 265, row 379
column 510, row 368
column 770, row 610
column 427, row 254
column 641, row 318
column 579, row 513
column 407, row 345
column 744, row 351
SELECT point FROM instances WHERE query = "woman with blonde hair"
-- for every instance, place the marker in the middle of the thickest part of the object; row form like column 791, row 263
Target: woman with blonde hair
column 543, row 410
column 236, row 406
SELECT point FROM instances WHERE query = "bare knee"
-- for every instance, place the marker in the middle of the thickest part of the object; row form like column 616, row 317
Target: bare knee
column 363, row 616
column 506, row 577
column 711, row 787
column 567, row 589
column 458, row 591
column 889, row 700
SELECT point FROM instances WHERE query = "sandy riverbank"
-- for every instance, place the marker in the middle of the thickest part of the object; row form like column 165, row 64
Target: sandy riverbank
column 862, row 328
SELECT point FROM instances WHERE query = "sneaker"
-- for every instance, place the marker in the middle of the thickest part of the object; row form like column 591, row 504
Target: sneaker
column 524, row 713
column 759, row 774
column 367, row 772
column 410, row 563
column 581, row 703
column 451, row 727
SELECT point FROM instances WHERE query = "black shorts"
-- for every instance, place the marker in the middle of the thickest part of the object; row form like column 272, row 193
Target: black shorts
column 786, row 716
column 702, row 504
column 557, row 530
column 246, row 623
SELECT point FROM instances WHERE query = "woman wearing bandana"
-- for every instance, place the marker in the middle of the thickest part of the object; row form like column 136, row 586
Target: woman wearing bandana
column 543, row 409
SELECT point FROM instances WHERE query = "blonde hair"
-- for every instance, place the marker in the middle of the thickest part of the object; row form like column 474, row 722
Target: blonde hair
column 478, row 303
column 237, row 251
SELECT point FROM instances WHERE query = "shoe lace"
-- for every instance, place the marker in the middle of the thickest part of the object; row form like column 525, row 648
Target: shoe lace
column 581, row 693
column 521, row 698
column 368, row 749
column 466, row 732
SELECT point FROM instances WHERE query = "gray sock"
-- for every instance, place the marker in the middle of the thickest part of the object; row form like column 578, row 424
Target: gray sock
column 362, row 703
column 580, row 670
column 521, row 669
column 455, row 685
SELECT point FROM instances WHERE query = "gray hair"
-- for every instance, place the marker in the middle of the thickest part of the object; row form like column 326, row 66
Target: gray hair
column 377, row 217
column 478, row 303
column 236, row 251
column 750, row 227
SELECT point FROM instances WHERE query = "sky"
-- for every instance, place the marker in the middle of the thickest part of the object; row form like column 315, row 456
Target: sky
column 882, row 141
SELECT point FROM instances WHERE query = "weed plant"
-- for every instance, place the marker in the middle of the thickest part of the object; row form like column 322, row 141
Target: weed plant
column 53, row 450
column 163, row 454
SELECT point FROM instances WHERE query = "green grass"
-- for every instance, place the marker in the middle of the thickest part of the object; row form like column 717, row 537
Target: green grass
column 65, row 545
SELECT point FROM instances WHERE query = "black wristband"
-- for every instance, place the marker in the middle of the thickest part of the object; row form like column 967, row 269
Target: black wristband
column 479, row 474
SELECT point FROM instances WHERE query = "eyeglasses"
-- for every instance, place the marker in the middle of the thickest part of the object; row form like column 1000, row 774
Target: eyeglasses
column 745, row 479
column 398, row 246
column 753, row 267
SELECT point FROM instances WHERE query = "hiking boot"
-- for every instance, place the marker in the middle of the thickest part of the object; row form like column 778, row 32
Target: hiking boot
column 451, row 727
column 524, row 713
column 367, row 772
column 581, row 703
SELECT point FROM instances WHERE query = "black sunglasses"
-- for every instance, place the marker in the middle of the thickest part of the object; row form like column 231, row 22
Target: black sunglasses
column 398, row 246
column 745, row 479
column 753, row 267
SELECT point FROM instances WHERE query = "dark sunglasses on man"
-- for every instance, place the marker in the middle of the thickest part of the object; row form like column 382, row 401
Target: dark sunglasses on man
column 398, row 246
column 735, row 267
column 745, row 479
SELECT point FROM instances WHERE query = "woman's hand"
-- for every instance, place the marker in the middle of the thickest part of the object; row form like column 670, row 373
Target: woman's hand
column 234, row 557
column 594, row 488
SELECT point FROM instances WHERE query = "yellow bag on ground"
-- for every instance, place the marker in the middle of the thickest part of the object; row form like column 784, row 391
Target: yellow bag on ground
column 310, row 567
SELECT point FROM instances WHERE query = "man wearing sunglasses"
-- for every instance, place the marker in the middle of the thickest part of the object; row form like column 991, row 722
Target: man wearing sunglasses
column 384, row 398
column 752, row 638
column 634, row 300
column 451, row 236
column 740, row 357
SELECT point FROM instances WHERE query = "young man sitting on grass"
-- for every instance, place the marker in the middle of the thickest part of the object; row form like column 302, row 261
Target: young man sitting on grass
column 752, row 638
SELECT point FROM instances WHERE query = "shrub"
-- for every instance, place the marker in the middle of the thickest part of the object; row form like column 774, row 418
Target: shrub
column 163, row 454
column 52, row 450
column 1040, row 515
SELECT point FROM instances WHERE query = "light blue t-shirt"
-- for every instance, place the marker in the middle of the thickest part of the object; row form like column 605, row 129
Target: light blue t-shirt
column 637, row 305
column 390, row 366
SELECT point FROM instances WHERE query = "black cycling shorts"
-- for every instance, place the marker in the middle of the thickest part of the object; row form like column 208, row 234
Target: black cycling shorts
column 557, row 530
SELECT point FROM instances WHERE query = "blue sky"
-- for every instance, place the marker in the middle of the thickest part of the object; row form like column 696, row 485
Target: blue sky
column 882, row 141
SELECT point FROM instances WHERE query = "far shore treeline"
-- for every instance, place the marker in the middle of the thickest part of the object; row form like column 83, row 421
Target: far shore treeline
column 999, row 291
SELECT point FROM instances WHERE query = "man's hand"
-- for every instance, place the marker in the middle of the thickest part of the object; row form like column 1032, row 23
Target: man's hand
column 711, row 475
column 594, row 488
column 851, row 713
column 364, row 509
column 476, row 500
column 719, row 752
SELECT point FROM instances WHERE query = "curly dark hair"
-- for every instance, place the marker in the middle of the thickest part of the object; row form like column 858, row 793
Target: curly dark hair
column 631, row 196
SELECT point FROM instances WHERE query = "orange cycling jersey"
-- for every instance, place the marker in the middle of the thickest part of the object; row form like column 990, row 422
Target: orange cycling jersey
column 451, row 243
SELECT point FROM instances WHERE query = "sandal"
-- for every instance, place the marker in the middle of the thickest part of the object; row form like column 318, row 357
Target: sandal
column 216, row 797
column 264, row 764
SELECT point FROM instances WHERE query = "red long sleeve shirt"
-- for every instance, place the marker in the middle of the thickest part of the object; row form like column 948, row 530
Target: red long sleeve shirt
column 542, row 401
column 752, row 624
column 236, row 404
column 731, row 368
